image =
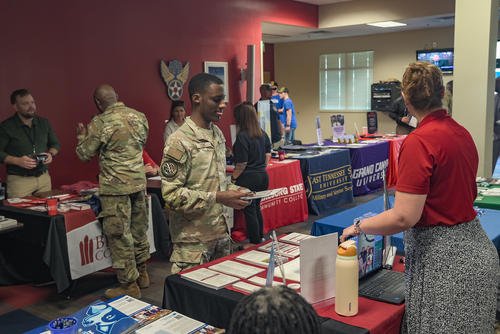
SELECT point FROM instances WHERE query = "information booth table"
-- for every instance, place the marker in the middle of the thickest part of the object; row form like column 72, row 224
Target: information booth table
column 368, row 161
column 216, row 306
column 327, row 178
column 61, row 248
column 287, row 207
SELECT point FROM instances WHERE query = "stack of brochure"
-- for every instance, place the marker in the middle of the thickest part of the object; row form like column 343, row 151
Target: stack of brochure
column 295, row 238
column 257, row 258
column 125, row 315
column 209, row 278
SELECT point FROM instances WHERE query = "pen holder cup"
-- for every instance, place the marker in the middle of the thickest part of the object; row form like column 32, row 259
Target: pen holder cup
column 64, row 325
column 51, row 206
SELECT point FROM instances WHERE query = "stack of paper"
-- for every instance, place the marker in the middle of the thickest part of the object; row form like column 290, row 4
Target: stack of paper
column 209, row 278
column 176, row 323
column 7, row 222
column 256, row 257
column 283, row 249
column 246, row 287
column 295, row 238
column 236, row 269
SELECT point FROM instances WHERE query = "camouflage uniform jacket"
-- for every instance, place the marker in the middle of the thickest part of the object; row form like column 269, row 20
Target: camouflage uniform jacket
column 118, row 136
column 193, row 169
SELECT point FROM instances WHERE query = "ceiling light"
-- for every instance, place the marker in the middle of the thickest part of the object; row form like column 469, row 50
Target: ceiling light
column 387, row 24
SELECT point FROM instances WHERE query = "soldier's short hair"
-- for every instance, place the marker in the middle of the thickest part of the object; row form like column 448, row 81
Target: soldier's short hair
column 18, row 92
column 200, row 82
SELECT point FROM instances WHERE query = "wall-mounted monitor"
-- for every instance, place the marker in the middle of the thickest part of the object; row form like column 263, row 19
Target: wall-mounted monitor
column 442, row 58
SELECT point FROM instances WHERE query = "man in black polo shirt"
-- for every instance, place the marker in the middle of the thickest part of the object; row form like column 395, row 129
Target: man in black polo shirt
column 276, row 126
column 27, row 145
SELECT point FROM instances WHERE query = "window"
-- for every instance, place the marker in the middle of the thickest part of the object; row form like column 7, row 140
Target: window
column 345, row 81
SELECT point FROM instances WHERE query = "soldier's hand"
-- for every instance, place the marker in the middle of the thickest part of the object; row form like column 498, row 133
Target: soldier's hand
column 81, row 129
column 232, row 198
column 26, row 162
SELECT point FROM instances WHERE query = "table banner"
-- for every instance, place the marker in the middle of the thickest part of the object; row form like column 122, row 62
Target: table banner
column 88, row 250
column 327, row 178
column 367, row 163
column 289, row 206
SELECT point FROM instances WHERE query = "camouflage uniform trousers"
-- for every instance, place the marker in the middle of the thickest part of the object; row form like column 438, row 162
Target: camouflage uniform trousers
column 125, row 223
column 186, row 255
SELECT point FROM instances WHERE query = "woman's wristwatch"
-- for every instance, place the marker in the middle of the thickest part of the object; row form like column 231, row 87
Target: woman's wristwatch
column 357, row 227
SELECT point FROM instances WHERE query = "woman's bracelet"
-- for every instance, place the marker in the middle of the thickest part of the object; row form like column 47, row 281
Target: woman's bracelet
column 357, row 227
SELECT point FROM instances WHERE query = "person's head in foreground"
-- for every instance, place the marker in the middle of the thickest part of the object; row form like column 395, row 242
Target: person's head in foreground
column 422, row 88
column 276, row 310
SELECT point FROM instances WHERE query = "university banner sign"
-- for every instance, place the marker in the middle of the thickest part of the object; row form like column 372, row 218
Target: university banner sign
column 88, row 250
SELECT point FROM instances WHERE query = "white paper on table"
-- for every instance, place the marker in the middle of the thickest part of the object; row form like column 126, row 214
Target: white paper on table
column 236, row 269
column 262, row 281
column 317, row 267
column 128, row 305
column 264, row 194
column 291, row 269
column 172, row 323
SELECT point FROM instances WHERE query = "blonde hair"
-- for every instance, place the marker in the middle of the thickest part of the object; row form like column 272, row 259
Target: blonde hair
column 423, row 85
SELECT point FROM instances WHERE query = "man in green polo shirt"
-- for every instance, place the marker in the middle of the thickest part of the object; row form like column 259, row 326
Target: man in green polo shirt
column 27, row 145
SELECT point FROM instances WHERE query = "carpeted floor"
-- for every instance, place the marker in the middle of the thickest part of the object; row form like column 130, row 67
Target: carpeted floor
column 19, row 321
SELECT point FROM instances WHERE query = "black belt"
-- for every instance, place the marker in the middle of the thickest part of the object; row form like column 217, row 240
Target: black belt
column 35, row 174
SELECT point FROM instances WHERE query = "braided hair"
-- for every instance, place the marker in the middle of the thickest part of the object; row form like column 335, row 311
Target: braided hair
column 276, row 310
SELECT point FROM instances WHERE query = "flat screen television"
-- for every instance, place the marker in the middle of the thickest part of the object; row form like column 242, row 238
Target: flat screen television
column 442, row 58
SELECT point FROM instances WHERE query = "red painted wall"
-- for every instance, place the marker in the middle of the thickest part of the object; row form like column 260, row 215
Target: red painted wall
column 61, row 50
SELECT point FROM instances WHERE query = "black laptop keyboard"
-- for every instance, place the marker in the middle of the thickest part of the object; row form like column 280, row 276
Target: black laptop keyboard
column 385, row 283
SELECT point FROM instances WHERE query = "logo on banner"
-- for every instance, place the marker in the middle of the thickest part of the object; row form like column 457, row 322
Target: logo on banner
column 86, row 251
column 174, row 76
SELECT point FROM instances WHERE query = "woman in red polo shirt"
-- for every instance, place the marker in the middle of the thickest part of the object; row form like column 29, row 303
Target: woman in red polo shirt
column 451, row 265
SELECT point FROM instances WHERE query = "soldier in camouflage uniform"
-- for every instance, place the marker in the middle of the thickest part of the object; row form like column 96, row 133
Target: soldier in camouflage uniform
column 118, row 135
column 194, row 183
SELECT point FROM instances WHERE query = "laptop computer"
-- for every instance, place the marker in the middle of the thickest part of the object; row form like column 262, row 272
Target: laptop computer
column 375, row 282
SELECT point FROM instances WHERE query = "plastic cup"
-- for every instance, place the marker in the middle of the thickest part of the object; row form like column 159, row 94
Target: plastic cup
column 64, row 325
column 281, row 155
column 52, row 206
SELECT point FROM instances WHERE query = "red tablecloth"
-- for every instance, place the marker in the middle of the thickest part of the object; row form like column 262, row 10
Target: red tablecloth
column 377, row 317
column 288, row 208
column 392, row 170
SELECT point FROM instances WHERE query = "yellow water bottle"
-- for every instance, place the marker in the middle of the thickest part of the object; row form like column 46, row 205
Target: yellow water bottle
column 346, row 279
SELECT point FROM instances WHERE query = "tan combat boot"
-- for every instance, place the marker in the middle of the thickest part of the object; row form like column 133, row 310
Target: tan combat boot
column 130, row 289
column 143, row 279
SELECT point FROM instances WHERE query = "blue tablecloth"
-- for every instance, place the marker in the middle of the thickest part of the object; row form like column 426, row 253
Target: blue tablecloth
column 490, row 220
column 339, row 221
column 327, row 178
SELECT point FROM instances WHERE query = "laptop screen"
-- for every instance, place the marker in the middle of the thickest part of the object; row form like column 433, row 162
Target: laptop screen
column 370, row 253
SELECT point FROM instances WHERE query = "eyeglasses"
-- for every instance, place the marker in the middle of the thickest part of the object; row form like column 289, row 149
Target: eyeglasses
column 274, row 88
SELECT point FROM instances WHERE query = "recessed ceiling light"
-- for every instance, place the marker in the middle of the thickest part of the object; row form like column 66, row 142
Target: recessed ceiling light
column 386, row 24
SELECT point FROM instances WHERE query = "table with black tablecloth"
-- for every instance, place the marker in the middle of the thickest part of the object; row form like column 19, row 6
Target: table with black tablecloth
column 327, row 178
column 39, row 251
column 216, row 307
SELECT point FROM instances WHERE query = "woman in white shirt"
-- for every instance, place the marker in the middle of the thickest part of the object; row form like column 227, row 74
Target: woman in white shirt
column 177, row 118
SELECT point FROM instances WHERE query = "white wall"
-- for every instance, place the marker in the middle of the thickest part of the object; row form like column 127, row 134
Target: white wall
column 297, row 67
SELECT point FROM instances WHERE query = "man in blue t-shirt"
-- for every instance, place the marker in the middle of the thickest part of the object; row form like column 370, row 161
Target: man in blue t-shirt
column 276, row 99
column 288, row 116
